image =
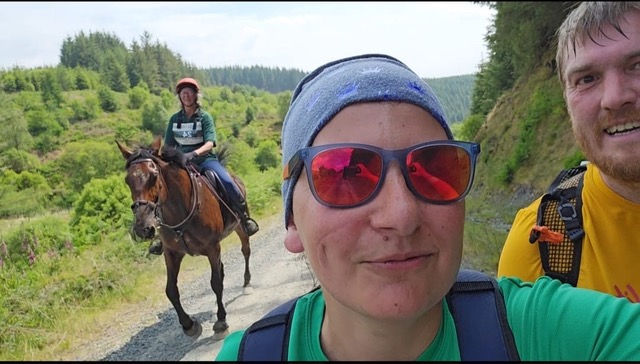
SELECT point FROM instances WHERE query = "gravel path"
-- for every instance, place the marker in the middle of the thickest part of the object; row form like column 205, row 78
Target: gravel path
column 152, row 332
column 146, row 334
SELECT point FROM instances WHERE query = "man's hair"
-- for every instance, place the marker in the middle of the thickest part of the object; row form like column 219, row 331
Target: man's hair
column 584, row 23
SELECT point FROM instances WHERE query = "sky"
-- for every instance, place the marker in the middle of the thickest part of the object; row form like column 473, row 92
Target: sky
column 435, row 39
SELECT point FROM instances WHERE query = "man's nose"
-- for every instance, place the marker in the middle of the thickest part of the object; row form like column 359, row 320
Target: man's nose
column 618, row 90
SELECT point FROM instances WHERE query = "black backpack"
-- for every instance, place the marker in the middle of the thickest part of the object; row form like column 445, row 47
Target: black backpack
column 558, row 228
column 475, row 302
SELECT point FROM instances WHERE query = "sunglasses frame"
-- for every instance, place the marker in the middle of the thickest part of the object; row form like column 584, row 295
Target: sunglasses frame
column 304, row 157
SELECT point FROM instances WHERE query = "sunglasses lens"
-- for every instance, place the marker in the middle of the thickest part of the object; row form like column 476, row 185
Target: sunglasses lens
column 345, row 176
column 439, row 173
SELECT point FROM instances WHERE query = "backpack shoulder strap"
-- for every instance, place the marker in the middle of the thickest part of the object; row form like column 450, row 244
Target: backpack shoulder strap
column 480, row 337
column 477, row 306
column 564, row 175
column 268, row 338
column 560, row 211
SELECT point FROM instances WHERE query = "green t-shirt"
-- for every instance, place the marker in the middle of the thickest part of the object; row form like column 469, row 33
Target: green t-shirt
column 550, row 321
column 189, row 134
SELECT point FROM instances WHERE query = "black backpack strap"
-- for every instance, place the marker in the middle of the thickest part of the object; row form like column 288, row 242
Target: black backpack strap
column 561, row 211
column 475, row 302
column 477, row 306
column 564, row 175
column 268, row 338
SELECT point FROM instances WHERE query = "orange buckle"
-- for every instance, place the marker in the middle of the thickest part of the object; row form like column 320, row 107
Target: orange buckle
column 547, row 235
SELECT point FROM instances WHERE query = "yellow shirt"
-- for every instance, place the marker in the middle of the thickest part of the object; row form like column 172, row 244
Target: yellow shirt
column 611, row 246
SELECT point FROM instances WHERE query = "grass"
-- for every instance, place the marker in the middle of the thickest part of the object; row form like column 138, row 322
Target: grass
column 8, row 224
column 88, row 326
column 482, row 246
column 73, row 337
column 69, row 330
column 61, row 328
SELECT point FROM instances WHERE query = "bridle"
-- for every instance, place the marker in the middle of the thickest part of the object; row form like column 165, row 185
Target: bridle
column 157, row 205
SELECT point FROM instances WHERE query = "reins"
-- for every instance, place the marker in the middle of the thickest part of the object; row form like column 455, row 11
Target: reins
column 157, row 206
column 187, row 219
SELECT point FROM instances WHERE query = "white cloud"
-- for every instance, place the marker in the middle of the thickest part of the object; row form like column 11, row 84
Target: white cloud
column 436, row 39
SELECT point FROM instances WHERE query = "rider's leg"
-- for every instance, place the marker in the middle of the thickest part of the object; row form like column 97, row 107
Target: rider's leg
column 238, row 203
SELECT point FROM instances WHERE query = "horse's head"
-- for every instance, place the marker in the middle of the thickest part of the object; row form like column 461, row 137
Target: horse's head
column 144, row 179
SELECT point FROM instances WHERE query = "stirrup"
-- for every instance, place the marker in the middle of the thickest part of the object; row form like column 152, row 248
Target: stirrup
column 155, row 247
column 250, row 226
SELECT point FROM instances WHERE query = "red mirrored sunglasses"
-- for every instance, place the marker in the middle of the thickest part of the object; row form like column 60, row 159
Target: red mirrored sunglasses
column 348, row 175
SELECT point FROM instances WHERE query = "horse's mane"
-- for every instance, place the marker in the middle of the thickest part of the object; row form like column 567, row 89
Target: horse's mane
column 140, row 153
column 172, row 154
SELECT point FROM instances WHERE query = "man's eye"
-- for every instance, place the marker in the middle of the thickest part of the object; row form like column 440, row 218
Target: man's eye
column 585, row 80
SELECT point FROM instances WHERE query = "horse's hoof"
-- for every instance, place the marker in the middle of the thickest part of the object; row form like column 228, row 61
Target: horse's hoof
column 247, row 289
column 220, row 330
column 195, row 330
column 217, row 336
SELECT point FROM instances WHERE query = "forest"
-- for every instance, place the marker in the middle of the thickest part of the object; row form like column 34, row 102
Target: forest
column 64, row 207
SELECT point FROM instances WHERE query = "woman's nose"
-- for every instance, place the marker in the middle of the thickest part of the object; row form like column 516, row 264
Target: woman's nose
column 395, row 205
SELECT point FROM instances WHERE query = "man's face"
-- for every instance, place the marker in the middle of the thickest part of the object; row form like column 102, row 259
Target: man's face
column 602, row 90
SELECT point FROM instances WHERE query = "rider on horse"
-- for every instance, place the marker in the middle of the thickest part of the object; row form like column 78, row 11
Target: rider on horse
column 193, row 131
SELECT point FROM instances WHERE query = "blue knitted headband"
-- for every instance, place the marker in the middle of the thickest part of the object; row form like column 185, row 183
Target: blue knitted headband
column 324, row 92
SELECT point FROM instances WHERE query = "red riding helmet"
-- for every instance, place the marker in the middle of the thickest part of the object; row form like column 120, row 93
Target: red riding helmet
column 187, row 82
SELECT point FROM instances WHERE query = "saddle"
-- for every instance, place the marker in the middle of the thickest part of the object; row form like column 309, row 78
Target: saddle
column 215, row 185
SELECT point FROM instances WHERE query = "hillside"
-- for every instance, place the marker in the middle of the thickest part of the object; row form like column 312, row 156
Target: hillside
column 454, row 93
column 525, row 140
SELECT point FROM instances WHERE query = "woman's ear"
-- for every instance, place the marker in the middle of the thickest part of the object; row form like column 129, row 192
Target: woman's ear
column 292, row 239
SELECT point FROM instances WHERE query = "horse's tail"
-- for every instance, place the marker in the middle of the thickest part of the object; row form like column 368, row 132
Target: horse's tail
column 222, row 151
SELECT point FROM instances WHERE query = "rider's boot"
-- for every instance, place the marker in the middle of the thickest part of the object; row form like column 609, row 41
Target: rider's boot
column 155, row 247
column 249, row 225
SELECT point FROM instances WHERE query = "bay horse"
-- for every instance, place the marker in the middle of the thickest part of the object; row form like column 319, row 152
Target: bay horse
column 176, row 203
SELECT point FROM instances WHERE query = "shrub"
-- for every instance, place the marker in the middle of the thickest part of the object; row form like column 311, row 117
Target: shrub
column 137, row 97
column 107, row 100
column 154, row 117
column 101, row 209
column 268, row 155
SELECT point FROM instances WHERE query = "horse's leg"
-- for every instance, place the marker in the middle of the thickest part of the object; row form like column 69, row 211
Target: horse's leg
column 220, row 328
column 246, row 252
column 190, row 327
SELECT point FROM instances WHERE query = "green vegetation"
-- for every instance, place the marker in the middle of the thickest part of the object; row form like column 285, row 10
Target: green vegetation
column 66, row 259
column 65, row 249
column 455, row 94
column 482, row 246
column 517, row 113
column 544, row 102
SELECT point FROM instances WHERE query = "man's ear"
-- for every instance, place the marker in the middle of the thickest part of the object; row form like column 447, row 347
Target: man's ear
column 292, row 239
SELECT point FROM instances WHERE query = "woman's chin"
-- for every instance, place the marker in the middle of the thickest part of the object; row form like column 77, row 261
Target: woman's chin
column 397, row 304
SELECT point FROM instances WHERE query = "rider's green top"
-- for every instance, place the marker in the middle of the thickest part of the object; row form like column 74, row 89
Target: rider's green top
column 189, row 134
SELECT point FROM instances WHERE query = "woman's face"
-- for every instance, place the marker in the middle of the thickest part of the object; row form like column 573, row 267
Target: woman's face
column 396, row 256
column 188, row 96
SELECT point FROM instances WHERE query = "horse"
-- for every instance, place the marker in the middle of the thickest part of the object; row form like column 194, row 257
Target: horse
column 177, row 204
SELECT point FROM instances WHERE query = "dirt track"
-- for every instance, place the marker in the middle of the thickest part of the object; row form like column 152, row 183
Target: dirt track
column 151, row 335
